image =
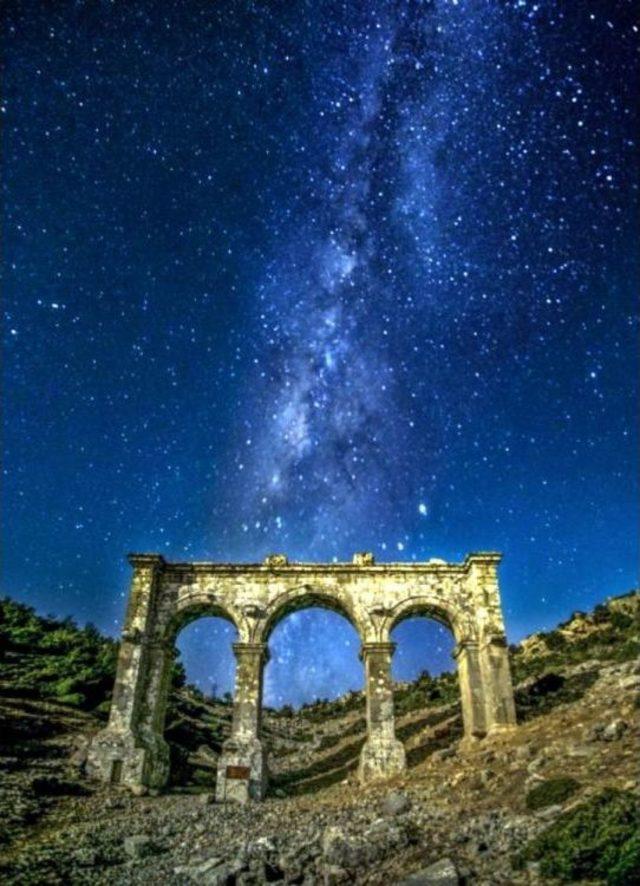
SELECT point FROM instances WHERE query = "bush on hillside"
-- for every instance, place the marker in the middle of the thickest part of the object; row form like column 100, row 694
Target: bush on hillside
column 599, row 839
column 55, row 659
column 616, row 637
column 551, row 792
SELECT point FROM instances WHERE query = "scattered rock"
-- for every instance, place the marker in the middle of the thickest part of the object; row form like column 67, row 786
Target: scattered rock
column 395, row 804
column 580, row 750
column 212, row 871
column 549, row 812
column 608, row 731
column 614, row 730
column 79, row 756
column 350, row 835
column 443, row 754
column 337, row 849
column 523, row 752
column 333, row 875
column 487, row 775
column 139, row 846
column 85, row 857
column 114, row 803
column 261, row 847
column 441, row 873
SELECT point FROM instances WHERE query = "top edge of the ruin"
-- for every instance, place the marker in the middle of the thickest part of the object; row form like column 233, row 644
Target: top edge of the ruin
column 279, row 562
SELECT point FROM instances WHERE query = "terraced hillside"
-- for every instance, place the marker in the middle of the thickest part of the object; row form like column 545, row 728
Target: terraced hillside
column 481, row 808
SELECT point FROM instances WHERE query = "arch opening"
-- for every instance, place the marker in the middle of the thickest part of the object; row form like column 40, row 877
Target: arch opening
column 313, row 696
column 426, row 684
column 200, row 705
column 194, row 610
column 302, row 599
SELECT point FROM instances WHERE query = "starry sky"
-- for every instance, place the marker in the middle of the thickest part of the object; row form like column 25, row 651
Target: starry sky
column 319, row 277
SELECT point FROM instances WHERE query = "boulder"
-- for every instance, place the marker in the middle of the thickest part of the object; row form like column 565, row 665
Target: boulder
column 333, row 875
column 85, row 857
column 440, row 873
column 355, row 853
column 79, row 756
column 138, row 846
column 631, row 682
column 608, row 731
column 524, row 752
column 396, row 803
column 614, row 730
column 443, row 754
column 211, row 871
column 261, row 846
column 337, row 849
column 549, row 812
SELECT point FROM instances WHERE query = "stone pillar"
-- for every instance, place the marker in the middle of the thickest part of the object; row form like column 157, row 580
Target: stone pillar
column 382, row 755
column 472, row 695
column 242, row 772
column 131, row 750
column 500, row 708
column 493, row 655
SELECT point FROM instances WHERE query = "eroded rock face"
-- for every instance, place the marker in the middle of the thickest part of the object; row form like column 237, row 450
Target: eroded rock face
column 374, row 597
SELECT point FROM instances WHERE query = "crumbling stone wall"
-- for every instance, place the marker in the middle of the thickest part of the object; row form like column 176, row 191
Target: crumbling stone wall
column 255, row 597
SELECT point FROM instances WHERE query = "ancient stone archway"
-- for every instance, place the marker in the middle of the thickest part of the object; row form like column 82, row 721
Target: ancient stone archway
column 255, row 597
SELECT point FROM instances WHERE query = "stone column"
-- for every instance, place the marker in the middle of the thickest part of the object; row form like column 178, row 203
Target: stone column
column 472, row 695
column 493, row 655
column 500, row 708
column 160, row 657
column 128, row 751
column 242, row 772
column 382, row 755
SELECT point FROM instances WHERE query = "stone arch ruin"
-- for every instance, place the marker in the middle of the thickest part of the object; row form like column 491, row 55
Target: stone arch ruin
column 374, row 597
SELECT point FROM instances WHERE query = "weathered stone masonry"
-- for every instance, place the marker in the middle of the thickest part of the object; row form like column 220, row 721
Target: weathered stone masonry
column 374, row 597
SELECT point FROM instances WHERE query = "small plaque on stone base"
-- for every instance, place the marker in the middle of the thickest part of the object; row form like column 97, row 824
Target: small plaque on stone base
column 240, row 773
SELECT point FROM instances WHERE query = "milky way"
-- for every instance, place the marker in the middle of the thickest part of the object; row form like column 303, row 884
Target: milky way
column 317, row 278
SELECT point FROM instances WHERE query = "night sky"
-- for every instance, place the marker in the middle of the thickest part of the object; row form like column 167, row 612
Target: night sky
column 320, row 277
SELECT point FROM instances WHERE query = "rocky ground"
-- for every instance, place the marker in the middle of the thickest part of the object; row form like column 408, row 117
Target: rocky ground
column 460, row 814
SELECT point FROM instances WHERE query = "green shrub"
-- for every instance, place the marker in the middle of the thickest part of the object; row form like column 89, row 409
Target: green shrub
column 626, row 867
column 596, row 840
column 75, row 699
column 601, row 613
column 621, row 621
column 550, row 792
column 550, row 690
column 55, row 659
column 555, row 640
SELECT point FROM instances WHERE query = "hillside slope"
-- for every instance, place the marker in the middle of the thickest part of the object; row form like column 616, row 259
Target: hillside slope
column 577, row 690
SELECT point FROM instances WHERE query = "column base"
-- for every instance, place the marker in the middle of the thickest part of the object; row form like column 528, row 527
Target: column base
column 381, row 758
column 242, row 771
column 501, row 729
column 470, row 743
column 128, row 759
